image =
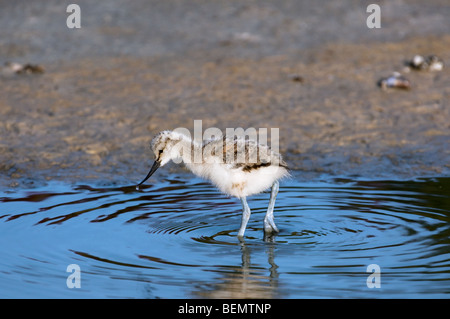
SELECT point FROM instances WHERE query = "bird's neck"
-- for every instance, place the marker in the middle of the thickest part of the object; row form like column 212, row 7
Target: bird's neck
column 189, row 151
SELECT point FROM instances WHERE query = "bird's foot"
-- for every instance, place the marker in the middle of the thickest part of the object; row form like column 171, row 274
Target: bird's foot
column 270, row 227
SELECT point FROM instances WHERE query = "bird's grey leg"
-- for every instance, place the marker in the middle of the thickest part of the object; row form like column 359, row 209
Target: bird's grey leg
column 245, row 217
column 269, row 224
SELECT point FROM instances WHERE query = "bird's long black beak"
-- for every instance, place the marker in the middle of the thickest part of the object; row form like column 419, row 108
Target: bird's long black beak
column 155, row 166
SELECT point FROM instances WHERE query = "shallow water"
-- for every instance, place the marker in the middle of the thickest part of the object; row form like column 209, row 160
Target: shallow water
column 177, row 239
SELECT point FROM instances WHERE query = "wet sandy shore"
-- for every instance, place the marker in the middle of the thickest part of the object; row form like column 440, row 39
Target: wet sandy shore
column 135, row 69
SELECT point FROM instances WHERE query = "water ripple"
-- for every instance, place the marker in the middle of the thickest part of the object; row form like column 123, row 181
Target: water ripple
column 179, row 228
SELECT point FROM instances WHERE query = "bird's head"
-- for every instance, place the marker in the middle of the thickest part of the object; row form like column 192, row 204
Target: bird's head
column 166, row 146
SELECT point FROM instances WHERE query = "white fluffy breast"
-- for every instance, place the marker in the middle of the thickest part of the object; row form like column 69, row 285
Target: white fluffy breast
column 235, row 181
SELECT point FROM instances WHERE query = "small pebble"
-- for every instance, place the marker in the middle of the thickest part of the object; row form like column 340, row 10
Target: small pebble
column 17, row 68
column 431, row 63
column 396, row 80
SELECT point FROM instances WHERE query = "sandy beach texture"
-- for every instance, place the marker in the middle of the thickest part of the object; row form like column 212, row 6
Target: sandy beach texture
column 137, row 67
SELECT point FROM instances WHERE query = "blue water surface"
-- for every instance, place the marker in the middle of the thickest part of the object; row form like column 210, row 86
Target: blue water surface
column 176, row 238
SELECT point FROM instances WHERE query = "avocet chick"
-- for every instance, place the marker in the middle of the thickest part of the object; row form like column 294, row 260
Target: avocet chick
column 236, row 166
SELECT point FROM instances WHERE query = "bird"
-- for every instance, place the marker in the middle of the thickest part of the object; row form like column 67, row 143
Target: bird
column 237, row 166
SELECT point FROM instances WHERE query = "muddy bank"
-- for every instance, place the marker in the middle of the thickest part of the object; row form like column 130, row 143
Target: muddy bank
column 91, row 115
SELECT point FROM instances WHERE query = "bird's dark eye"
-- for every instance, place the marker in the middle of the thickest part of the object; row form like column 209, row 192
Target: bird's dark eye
column 160, row 152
